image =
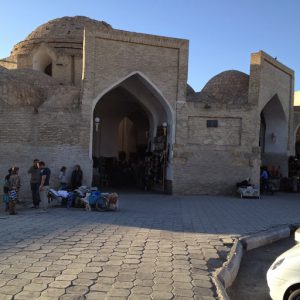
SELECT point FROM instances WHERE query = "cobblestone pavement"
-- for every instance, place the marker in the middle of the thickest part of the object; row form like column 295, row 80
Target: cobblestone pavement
column 154, row 247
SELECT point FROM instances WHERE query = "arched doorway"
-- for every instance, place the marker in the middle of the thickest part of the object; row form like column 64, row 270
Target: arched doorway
column 297, row 143
column 274, row 137
column 42, row 61
column 132, row 139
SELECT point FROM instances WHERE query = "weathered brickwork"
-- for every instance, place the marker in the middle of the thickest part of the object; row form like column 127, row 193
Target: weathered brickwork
column 227, row 131
column 52, row 118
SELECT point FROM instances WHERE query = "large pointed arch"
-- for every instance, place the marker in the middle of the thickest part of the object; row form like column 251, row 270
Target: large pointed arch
column 152, row 102
column 276, row 129
column 151, row 87
column 297, row 141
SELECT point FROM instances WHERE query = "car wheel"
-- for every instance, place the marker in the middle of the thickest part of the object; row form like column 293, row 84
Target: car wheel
column 295, row 295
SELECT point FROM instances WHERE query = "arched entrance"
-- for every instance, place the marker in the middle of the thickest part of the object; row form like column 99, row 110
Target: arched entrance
column 42, row 61
column 132, row 136
column 297, row 143
column 274, row 137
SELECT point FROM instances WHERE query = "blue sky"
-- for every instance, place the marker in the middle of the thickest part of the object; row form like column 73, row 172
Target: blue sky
column 222, row 33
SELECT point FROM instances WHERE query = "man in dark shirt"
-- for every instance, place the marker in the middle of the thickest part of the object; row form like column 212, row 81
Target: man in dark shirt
column 44, row 185
column 35, row 179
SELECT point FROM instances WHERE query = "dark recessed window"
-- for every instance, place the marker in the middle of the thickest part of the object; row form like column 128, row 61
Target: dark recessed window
column 212, row 123
column 48, row 70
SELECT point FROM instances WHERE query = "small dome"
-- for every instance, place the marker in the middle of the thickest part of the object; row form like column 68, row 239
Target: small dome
column 227, row 87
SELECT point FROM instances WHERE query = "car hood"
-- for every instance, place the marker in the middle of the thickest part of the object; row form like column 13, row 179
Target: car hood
column 294, row 251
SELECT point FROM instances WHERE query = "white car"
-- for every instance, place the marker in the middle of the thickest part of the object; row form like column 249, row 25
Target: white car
column 284, row 275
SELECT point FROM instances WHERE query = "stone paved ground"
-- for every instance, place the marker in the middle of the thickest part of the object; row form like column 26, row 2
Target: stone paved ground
column 155, row 247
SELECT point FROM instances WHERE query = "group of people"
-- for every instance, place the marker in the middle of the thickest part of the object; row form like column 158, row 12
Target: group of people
column 76, row 178
column 39, row 184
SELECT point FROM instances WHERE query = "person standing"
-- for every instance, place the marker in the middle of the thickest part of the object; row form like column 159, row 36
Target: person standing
column 34, row 171
column 14, row 184
column 6, row 190
column 63, row 178
column 264, row 180
column 44, row 185
column 76, row 178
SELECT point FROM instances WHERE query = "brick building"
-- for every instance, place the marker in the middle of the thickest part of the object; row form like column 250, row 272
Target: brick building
column 76, row 90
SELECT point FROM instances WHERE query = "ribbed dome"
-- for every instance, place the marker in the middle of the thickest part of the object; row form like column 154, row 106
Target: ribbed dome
column 66, row 29
column 227, row 87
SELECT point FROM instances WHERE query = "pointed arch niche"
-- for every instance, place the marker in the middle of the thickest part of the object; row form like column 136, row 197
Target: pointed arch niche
column 274, row 134
column 129, row 114
column 42, row 60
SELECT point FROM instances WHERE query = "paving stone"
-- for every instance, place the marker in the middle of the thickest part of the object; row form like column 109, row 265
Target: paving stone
column 96, row 296
column 60, row 284
column 101, row 287
column 66, row 277
column 35, row 287
column 18, row 281
column 124, row 284
column 10, row 290
column 162, row 274
column 183, row 292
column 200, row 291
column 63, row 262
column 13, row 271
column 84, row 282
column 79, row 289
column 84, row 275
column 53, row 292
column 27, row 275
column 41, row 264
column 6, row 297
column 92, row 269
column 162, row 287
column 144, row 276
column 55, row 267
column 71, row 297
column 202, row 283
column 144, row 290
column 139, row 297
column 108, row 274
column 26, row 295
column 48, row 273
column 158, row 295
column 118, row 293
column 182, row 278
column 198, row 297
column 69, row 271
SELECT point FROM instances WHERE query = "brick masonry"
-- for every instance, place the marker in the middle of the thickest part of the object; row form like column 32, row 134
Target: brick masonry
column 51, row 118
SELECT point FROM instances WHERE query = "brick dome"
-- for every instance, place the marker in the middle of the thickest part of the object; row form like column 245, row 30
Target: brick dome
column 61, row 30
column 227, row 87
